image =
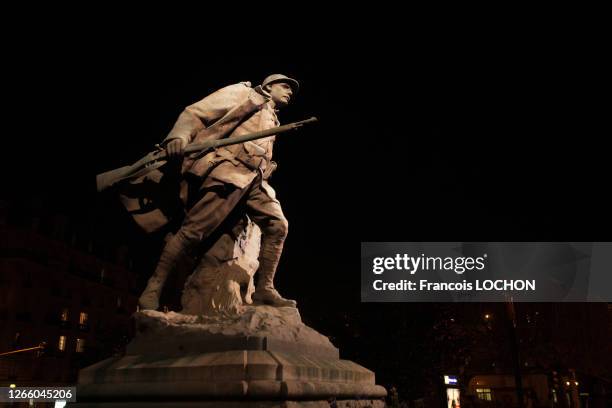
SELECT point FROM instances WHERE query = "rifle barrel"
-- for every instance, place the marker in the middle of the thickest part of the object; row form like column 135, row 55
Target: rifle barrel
column 248, row 137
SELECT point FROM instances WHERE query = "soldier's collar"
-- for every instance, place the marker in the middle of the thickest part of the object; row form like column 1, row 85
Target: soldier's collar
column 273, row 109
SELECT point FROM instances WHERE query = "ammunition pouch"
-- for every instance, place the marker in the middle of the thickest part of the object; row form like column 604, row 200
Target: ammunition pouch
column 272, row 166
column 255, row 163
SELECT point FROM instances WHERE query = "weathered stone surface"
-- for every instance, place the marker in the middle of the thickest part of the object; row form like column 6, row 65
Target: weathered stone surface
column 230, row 375
column 264, row 357
column 257, row 328
column 222, row 282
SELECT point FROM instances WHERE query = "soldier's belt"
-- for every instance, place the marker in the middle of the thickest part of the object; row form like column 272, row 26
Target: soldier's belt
column 252, row 162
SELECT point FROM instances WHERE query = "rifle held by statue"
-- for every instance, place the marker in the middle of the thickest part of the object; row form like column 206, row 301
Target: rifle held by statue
column 158, row 158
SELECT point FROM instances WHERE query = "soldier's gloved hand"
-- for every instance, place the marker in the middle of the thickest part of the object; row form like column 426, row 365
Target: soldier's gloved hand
column 175, row 149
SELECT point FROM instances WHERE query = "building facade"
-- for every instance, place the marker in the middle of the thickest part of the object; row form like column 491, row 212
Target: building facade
column 71, row 302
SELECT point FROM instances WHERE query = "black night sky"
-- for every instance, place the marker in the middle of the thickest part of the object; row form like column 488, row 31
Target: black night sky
column 419, row 143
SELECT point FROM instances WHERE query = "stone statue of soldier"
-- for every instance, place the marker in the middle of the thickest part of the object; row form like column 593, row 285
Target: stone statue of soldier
column 221, row 349
column 229, row 177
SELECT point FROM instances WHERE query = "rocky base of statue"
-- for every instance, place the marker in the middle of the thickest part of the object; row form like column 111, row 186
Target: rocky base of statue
column 222, row 282
column 263, row 357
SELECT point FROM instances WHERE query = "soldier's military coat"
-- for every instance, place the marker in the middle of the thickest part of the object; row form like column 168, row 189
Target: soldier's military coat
column 234, row 110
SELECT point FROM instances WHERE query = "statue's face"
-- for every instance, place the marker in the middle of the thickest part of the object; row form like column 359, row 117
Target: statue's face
column 281, row 93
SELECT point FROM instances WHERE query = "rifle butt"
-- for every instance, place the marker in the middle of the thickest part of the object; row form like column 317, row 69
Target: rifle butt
column 108, row 179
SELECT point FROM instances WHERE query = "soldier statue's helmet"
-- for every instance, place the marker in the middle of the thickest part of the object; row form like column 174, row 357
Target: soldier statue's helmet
column 274, row 78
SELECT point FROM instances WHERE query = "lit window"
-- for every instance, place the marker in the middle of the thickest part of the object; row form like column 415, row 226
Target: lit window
column 80, row 345
column 64, row 315
column 83, row 318
column 61, row 345
column 484, row 394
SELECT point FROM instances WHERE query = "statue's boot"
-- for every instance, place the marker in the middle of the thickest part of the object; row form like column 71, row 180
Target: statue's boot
column 174, row 249
column 265, row 291
column 270, row 296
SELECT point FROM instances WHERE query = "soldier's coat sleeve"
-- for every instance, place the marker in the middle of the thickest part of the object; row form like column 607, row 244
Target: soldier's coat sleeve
column 204, row 113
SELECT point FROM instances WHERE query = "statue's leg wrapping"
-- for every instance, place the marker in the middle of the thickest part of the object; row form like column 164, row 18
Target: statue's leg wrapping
column 175, row 248
column 201, row 220
column 267, row 213
column 272, row 241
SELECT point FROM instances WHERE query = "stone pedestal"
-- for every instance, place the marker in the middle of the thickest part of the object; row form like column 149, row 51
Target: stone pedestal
column 264, row 357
